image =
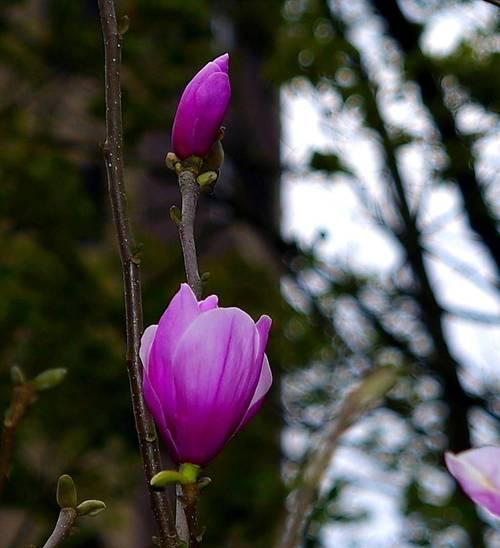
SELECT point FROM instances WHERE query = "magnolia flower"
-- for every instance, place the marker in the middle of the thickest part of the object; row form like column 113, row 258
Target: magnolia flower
column 478, row 473
column 205, row 374
column 201, row 110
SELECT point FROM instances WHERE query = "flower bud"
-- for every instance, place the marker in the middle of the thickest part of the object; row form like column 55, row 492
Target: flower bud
column 201, row 110
column 478, row 473
column 49, row 378
column 66, row 492
column 205, row 374
column 90, row 507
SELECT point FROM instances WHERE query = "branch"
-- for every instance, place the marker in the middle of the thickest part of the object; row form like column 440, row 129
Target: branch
column 359, row 401
column 23, row 395
column 493, row 2
column 65, row 521
column 162, row 503
column 190, row 191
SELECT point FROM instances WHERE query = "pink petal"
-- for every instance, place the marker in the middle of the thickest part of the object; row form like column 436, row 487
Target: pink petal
column 478, row 473
column 209, row 303
column 263, row 386
column 215, row 377
column 156, row 409
column 146, row 343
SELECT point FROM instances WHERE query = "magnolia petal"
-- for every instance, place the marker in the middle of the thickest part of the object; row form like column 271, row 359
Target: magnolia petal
column 156, row 409
column 263, row 386
column 478, row 473
column 211, row 101
column 215, row 378
column 196, row 124
column 209, row 303
column 146, row 343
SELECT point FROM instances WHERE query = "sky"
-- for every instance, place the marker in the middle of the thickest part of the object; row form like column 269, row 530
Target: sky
column 314, row 203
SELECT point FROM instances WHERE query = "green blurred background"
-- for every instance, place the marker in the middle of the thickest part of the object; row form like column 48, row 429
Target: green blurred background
column 60, row 280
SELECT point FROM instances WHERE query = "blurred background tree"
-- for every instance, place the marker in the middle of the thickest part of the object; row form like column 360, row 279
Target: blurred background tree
column 426, row 119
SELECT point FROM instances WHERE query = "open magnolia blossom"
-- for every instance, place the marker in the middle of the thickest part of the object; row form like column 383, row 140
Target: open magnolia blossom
column 478, row 473
column 205, row 374
column 201, row 110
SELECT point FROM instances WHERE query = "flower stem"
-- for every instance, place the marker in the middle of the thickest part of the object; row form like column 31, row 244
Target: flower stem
column 190, row 494
column 190, row 191
column 162, row 503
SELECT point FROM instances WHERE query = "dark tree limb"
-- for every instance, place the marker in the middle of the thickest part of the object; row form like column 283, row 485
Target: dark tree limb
column 162, row 503
column 480, row 216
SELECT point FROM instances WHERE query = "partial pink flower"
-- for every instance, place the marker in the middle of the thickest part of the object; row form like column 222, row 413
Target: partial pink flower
column 478, row 473
column 205, row 374
column 201, row 109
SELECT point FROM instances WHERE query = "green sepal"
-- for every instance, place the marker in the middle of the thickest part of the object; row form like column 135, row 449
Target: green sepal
column 66, row 492
column 90, row 507
column 165, row 477
column 189, row 472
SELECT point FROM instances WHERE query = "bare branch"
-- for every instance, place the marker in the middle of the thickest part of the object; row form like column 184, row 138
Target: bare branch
column 190, row 191
column 162, row 503
column 65, row 521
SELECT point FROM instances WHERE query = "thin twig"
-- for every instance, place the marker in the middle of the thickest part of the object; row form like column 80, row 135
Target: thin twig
column 190, row 191
column 190, row 500
column 65, row 521
column 162, row 503
column 23, row 395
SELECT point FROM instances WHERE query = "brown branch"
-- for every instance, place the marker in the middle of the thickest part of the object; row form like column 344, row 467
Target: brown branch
column 190, row 501
column 23, row 395
column 190, row 191
column 65, row 521
column 162, row 503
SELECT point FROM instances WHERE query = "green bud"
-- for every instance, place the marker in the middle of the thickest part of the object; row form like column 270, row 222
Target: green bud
column 66, row 492
column 49, row 378
column 175, row 215
column 90, row 507
column 123, row 24
column 205, row 276
column 17, row 375
column 171, row 160
column 206, row 180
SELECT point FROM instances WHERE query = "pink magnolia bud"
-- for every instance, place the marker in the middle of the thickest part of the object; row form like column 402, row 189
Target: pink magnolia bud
column 205, row 374
column 478, row 473
column 201, row 109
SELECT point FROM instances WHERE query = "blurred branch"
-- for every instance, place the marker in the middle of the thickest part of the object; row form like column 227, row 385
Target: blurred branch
column 163, row 503
column 303, row 500
column 493, row 2
column 480, row 217
column 23, row 395
column 473, row 316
